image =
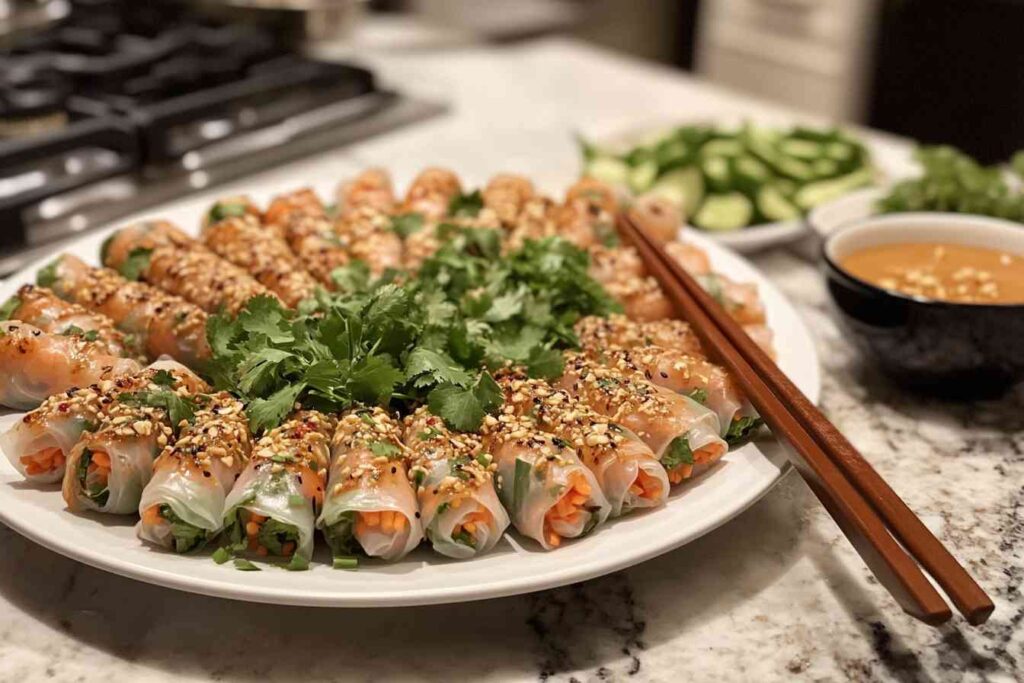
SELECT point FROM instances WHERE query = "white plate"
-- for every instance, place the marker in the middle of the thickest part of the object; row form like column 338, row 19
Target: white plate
column 856, row 206
column 516, row 566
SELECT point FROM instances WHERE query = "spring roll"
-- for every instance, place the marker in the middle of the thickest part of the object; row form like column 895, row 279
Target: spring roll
column 371, row 188
column 432, row 192
column 370, row 505
column 627, row 471
column 182, row 507
column 39, row 306
column 739, row 299
column 642, row 298
column 264, row 256
column 238, row 206
column 704, row 382
column 506, row 195
column 595, row 332
column 283, row 208
column 108, row 467
column 162, row 255
column 367, row 233
column 549, row 494
column 39, row 443
column 273, row 506
column 459, row 507
column 161, row 324
column 683, row 434
column 35, row 365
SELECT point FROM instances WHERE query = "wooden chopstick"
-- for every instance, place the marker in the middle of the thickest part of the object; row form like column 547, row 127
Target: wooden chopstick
column 853, row 493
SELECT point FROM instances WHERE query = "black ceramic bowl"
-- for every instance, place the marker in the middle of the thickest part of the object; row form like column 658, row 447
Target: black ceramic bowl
column 949, row 349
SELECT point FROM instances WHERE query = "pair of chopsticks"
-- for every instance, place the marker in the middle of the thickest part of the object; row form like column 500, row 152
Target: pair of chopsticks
column 876, row 521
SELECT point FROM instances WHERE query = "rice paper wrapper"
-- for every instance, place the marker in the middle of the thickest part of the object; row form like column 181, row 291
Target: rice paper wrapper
column 440, row 517
column 276, row 495
column 195, row 499
column 530, row 486
column 131, row 468
column 24, row 439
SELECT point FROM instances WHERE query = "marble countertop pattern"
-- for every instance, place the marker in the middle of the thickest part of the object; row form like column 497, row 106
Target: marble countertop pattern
column 777, row 593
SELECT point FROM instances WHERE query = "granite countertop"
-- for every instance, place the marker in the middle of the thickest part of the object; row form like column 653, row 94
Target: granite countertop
column 775, row 593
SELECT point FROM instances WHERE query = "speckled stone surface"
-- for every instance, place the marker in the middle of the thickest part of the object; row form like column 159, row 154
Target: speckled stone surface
column 777, row 593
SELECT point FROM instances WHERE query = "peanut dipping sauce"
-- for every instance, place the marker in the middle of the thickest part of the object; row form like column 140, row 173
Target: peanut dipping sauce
column 944, row 272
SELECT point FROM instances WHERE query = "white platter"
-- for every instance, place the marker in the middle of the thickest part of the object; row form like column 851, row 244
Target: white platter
column 516, row 566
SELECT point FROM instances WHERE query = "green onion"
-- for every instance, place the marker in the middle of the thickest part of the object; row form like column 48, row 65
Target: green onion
column 244, row 565
column 298, row 563
column 221, row 555
column 346, row 562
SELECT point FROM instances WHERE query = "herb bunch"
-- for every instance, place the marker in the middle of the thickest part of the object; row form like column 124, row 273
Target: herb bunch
column 952, row 181
column 404, row 339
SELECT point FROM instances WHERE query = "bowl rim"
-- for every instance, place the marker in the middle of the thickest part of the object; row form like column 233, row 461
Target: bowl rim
column 894, row 220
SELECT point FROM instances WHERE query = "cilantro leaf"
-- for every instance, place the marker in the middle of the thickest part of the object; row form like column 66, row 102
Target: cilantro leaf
column 466, row 204
column 267, row 413
column 47, row 275
column 742, row 428
column 463, row 409
column 265, row 315
column 426, row 366
column 163, row 378
column 386, row 449
column 136, row 263
column 9, row 307
column 545, row 363
column 700, row 395
column 221, row 210
column 373, row 379
column 407, row 223
column 178, row 408
column 678, row 453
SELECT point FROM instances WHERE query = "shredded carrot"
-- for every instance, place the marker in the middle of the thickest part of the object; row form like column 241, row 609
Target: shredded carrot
column 287, row 548
column 151, row 515
column 567, row 509
column 646, row 486
column 101, row 459
column 43, row 461
column 262, row 550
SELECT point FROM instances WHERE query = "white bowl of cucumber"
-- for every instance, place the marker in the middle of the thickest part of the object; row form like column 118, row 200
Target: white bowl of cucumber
column 749, row 187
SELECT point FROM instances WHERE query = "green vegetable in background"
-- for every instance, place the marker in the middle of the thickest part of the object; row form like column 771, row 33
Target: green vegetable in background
column 952, row 181
column 726, row 179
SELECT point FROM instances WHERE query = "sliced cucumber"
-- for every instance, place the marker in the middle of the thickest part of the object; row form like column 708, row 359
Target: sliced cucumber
column 774, row 206
column 793, row 168
column 813, row 194
column 642, row 176
column 786, row 186
column 816, row 134
column 725, row 147
column 825, row 168
column 801, row 149
column 639, row 156
column 840, row 151
column 683, row 186
column 607, row 169
column 749, row 174
column 716, row 173
column 724, row 212
column 671, row 154
column 762, row 147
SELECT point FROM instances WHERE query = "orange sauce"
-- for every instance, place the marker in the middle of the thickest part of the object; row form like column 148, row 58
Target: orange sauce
column 942, row 272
